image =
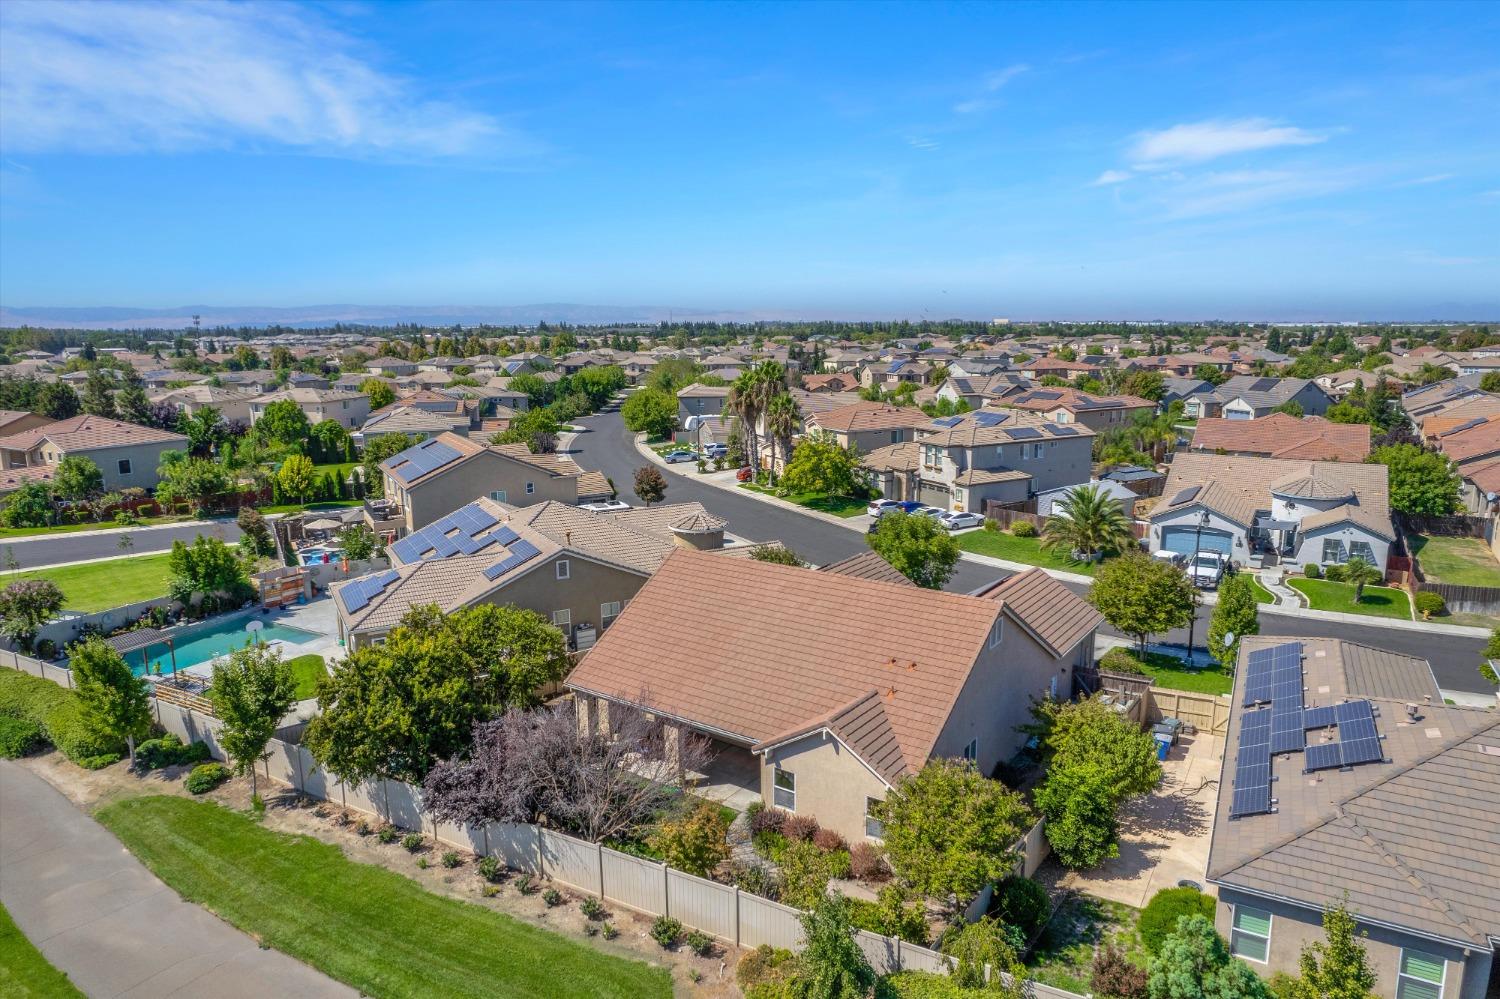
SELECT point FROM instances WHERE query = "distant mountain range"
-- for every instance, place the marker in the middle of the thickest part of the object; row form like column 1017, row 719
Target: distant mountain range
column 304, row 316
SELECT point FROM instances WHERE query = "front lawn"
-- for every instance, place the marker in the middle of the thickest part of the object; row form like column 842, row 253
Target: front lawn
column 96, row 586
column 108, row 525
column 999, row 544
column 308, row 670
column 1064, row 954
column 1459, row 561
column 24, row 972
column 1262, row 595
column 1172, row 673
column 1379, row 601
column 374, row 929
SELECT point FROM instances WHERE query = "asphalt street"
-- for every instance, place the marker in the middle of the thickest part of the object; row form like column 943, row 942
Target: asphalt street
column 59, row 548
column 606, row 446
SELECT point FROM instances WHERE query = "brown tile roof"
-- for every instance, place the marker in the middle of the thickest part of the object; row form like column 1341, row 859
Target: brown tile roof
column 88, row 433
column 696, row 391
column 997, row 427
column 657, row 520
column 397, row 419
column 10, row 416
column 1053, row 613
column 1485, row 474
column 837, row 382
column 1236, row 487
column 1044, row 400
column 1465, row 410
column 303, row 396
column 593, row 485
column 864, row 415
column 555, row 465
column 1478, row 437
column 466, row 448
column 987, row 476
column 868, row 565
column 1413, row 842
column 12, row 479
column 599, row 535
column 1282, row 435
column 893, row 458
column 759, row 649
column 864, row 727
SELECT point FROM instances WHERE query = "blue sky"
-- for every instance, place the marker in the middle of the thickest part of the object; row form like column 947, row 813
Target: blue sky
column 1068, row 161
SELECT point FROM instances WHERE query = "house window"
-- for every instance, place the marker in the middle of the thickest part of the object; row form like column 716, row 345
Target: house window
column 997, row 632
column 1421, row 975
column 897, row 436
column 784, row 790
column 1362, row 549
column 874, row 828
column 530, row 488
column 124, row 465
column 1333, row 551
column 971, row 751
column 608, row 612
column 562, row 620
column 498, row 495
column 564, row 569
column 1250, row 934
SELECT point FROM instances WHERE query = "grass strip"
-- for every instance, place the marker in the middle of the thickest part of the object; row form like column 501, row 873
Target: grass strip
column 24, row 972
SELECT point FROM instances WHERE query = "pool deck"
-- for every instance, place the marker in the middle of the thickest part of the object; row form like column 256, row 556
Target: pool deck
column 318, row 617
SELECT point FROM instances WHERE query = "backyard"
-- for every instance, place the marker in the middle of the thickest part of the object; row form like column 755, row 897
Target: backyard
column 307, row 670
column 1064, row 953
column 1459, row 561
column 1169, row 671
column 377, row 930
column 96, row 586
column 1002, row 545
column 24, row 972
column 1378, row 601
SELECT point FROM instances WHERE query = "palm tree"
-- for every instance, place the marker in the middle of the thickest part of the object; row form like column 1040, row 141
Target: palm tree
column 1361, row 573
column 783, row 417
column 744, row 402
column 1090, row 521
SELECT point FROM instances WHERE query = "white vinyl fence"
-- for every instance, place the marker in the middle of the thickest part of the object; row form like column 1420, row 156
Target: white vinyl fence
column 35, row 667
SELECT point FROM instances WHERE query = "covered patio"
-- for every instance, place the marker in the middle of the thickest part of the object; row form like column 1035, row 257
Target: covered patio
column 733, row 778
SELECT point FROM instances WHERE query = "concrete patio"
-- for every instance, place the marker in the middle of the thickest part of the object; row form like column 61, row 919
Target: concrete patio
column 732, row 779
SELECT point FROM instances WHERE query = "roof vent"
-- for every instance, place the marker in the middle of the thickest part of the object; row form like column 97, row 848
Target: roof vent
column 1411, row 712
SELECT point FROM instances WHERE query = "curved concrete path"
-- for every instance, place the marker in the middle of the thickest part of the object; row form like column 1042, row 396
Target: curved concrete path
column 100, row 916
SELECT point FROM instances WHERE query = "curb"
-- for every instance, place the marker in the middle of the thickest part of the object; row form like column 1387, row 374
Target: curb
column 1372, row 621
column 101, row 532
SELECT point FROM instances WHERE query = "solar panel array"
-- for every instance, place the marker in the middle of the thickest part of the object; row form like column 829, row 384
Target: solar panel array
column 1063, row 431
column 521, row 552
column 984, row 419
column 366, row 588
column 949, row 421
column 1272, row 676
column 418, row 460
column 1184, row 495
column 437, row 539
column 1025, row 434
column 1252, row 767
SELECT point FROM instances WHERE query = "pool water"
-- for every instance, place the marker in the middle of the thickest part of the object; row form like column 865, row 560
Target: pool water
column 201, row 645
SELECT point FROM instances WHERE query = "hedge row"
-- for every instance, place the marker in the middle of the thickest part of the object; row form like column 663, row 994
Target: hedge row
column 56, row 711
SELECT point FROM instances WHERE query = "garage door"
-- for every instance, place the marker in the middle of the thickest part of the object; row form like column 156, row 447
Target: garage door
column 1185, row 539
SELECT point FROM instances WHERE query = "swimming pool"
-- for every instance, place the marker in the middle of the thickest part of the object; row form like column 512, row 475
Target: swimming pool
column 200, row 644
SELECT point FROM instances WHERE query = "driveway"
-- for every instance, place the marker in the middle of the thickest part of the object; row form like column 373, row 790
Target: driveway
column 100, row 916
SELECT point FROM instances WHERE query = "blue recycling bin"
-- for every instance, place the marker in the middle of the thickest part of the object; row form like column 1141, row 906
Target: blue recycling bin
column 1163, row 744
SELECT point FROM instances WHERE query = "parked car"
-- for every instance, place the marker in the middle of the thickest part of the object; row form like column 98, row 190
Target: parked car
column 880, row 506
column 676, row 457
column 715, row 451
column 960, row 521
column 1176, row 558
column 608, row 506
column 1206, row 569
column 936, row 513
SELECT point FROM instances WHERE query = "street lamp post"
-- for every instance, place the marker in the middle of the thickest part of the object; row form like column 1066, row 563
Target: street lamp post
column 1192, row 578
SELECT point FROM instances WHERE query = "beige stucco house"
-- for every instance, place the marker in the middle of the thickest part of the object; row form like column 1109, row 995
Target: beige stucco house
column 126, row 453
column 348, row 409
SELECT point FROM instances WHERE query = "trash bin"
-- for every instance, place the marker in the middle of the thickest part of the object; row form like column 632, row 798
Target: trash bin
column 1163, row 744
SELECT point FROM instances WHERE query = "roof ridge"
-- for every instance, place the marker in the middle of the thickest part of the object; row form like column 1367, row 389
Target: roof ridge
column 1455, row 916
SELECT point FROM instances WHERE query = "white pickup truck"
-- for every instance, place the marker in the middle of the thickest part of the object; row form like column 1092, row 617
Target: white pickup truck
column 1206, row 569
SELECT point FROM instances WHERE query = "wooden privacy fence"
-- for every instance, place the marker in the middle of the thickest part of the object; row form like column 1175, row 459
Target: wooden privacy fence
column 1205, row 712
column 646, row 886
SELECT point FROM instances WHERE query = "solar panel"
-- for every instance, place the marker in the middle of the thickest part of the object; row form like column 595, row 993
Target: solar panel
column 444, row 546
column 1286, row 731
column 505, row 536
column 1185, row 495
column 1252, row 772
column 520, row 553
column 406, row 549
column 984, row 419
column 1319, row 717
column 1063, row 431
column 1025, row 434
column 1263, row 384
column 469, row 545
column 1360, row 751
column 949, row 421
column 1322, row 756
column 1252, row 800
column 1352, row 711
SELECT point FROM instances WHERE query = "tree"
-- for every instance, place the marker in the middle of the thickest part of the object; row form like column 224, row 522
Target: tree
column 99, row 394
column 1195, row 963
column 29, row 505
column 394, row 710
column 206, row 569
column 57, row 400
column 783, row 417
column 1095, row 761
column 1491, row 651
column 331, row 441
column 1490, row 381
column 255, row 536
column 950, row 831
column 1090, row 522
column 650, row 485
column 131, row 403
column 379, row 392
column 252, row 690
column 191, row 480
column 77, row 478
column 1361, row 573
column 980, row 944
column 205, row 430
column 919, row 547
column 650, row 411
column 823, row 467
column 1291, row 408
column 283, row 423
column 377, row 451
column 296, row 476
column 26, row 605
column 1144, row 384
column 1143, row 596
column 778, row 554
column 1336, row 969
column 1422, row 482
column 358, row 542
column 113, row 701
column 833, row 965
column 696, row 843
column 1237, row 614
column 1209, row 373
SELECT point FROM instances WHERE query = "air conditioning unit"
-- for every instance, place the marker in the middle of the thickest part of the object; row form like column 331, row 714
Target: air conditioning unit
column 584, row 637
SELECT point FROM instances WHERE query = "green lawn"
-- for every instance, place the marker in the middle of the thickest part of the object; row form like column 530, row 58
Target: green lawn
column 299, row 507
column 1379, row 601
column 341, row 469
column 1262, row 595
column 1064, row 954
column 26, row 532
column 380, row 932
column 839, row 506
column 24, row 972
column 999, row 544
column 1460, row 561
column 308, row 670
column 97, row 586
column 1169, row 672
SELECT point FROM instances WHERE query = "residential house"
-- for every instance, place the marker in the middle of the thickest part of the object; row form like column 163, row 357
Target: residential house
column 1070, row 406
column 700, row 400
column 1474, row 448
column 1380, row 798
column 415, row 422
column 963, row 462
column 232, row 404
column 820, row 682
column 1041, row 367
column 1261, row 510
column 258, row 381
column 1282, row 435
column 392, row 367
column 1175, row 388
column 868, row 565
column 1477, row 363
column 869, row 425
column 890, row 374
column 1341, row 383
column 1428, row 399
column 838, row 381
column 432, row 479
column 1113, row 489
column 577, row 568
column 13, row 421
column 127, row 454
column 1246, row 397
column 348, row 409
column 980, row 390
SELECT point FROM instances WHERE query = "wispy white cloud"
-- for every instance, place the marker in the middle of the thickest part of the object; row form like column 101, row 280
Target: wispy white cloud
column 1198, row 142
column 1220, row 193
column 989, row 84
column 134, row 77
column 1109, row 177
column 921, row 142
column 1436, row 178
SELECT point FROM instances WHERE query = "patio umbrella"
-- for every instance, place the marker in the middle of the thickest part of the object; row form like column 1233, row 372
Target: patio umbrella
column 323, row 525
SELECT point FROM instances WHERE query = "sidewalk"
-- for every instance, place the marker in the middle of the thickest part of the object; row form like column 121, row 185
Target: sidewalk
column 106, row 921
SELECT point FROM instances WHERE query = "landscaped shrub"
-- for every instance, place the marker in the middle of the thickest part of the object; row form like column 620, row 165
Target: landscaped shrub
column 387, row 834
column 1023, row 529
column 1121, row 660
column 700, row 943
column 1429, row 603
column 666, row 931
column 1114, row 977
column 489, row 868
column 1334, row 573
column 1159, row 918
column 451, row 860
column 98, row 762
column 205, row 777
column 19, row 737
column 1023, row 903
column 925, row 985
column 412, row 842
column 526, row 885
column 827, row 839
column 805, row 873
column 767, row 972
column 799, row 827
column 895, row 913
column 610, row 931
column 758, row 879
column 1311, row 571
column 362, row 827
column 168, row 751
column 867, row 863
column 56, row 711
column 593, row 908
column 992, row 525
column 696, row 843
column 764, row 819
column 770, row 844
column 838, row 864
column 552, row 897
